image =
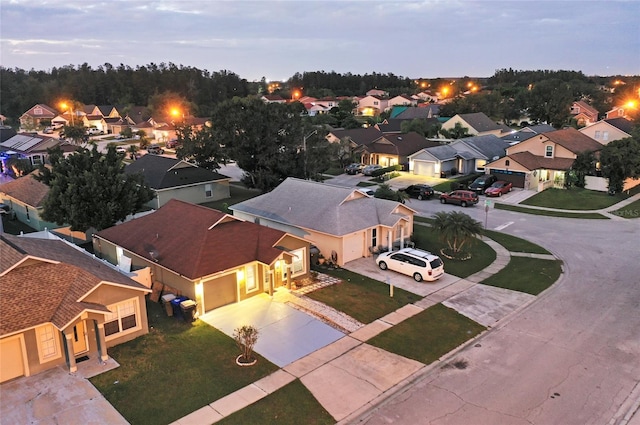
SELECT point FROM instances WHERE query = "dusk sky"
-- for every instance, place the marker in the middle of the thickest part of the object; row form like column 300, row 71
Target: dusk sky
column 276, row 39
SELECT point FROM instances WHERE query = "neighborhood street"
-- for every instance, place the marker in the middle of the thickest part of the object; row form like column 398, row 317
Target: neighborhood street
column 571, row 357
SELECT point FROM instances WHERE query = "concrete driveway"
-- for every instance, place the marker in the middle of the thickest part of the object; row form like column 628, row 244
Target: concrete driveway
column 286, row 334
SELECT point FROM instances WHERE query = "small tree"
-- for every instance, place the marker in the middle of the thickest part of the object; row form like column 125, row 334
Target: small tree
column 457, row 229
column 384, row 191
column 246, row 338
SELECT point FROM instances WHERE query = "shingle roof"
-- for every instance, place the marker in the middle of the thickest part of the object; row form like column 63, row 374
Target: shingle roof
column 321, row 207
column 359, row 136
column 480, row 122
column 621, row 124
column 161, row 172
column 26, row 189
column 534, row 162
column 423, row 112
column 573, row 140
column 442, row 152
column 195, row 241
column 400, row 144
column 489, row 145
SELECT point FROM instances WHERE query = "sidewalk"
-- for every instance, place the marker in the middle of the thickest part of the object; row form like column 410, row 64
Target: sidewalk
column 350, row 376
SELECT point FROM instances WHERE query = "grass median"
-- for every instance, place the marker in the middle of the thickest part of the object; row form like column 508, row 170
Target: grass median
column 548, row 213
column 529, row 275
column 515, row 244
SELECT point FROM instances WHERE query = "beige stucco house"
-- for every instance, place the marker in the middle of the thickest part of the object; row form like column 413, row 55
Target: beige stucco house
column 608, row 130
column 25, row 196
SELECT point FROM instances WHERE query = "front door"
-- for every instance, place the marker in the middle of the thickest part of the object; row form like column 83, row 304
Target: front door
column 79, row 338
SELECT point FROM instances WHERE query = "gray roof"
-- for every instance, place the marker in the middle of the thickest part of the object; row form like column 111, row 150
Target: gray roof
column 480, row 122
column 443, row 152
column 321, row 207
column 488, row 145
column 422, row 112
column 161, row 172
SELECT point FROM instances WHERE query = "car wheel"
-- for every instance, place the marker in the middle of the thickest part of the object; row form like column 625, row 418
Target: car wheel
column 382, row 265
column 499, row 194
column 417, row 277
column 420, row 197
column 463, row 204
column 443, row 201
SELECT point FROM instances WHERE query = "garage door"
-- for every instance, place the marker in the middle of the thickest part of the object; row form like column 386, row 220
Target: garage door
column 11, row 360
column 220, row 292
column 353, row 247
column 423, row 168
column 515, row 177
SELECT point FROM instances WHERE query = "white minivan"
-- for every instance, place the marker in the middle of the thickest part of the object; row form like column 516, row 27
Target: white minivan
column 421, row 265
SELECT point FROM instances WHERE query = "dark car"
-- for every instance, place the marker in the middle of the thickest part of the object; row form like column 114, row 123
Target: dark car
column 460, row 197
column 420, row 191
column 354, row 168
column 499, row 188
column 172, row 144
column 155, row 149
column 482, row 183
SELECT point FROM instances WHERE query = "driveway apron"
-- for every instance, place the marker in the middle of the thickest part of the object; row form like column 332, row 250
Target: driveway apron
column 285, row 334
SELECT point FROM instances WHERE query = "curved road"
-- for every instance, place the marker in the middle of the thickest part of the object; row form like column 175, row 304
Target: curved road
column 571, row 357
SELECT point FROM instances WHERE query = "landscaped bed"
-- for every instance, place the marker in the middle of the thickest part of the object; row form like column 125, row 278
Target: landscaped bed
column 174, row 370
column 428, row 335
column 529, row 275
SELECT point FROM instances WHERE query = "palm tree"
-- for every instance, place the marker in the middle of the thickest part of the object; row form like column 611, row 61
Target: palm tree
column 456, row 229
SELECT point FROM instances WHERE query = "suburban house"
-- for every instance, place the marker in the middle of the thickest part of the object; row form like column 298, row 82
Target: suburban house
column 393, row 149
column 619, row 112
column 583, row 113
column 39, row 115
column 171, row 178
column 608, row 130
column 61, row 304
column 477, row 124
column 25, row 196
column 422, row 111
column 377, row 92
column 463, row 156
column 372, row 106
column 273, row 98
column 29, row 146
column 542, row 161
column 355, row 136
column 96, row 121
column 207, row 255
column 343, row 223
column 526, row 133
column 402, row 100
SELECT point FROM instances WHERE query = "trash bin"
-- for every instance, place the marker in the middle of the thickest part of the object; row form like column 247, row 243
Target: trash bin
column 175, row 305
column 166, row 301
column 188, row 308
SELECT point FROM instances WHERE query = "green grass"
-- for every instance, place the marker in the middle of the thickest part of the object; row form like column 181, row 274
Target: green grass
column 428, row 335
column 482, row 255
column 562, row 214
column 514, row 244
column 174, row 370
column 292, row 404
column 630, row 211
column 366, row 184
column 574, row 199
column 529, row 275
column 361, row 297
column 334, row 171
column 238, row 193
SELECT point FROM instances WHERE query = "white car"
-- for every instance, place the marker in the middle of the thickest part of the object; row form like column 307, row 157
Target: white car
column 421, row 265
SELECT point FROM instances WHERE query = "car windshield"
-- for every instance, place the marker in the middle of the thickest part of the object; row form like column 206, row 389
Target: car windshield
column 435, row 263
column 497, row 185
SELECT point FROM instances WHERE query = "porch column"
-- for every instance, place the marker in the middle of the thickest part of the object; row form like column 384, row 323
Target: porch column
column 102, row 344
column 288, row 267
column 389, row 240
column 271, row 283
column 69, row 350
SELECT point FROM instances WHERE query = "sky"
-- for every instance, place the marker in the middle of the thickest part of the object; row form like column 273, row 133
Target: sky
column 276, row 39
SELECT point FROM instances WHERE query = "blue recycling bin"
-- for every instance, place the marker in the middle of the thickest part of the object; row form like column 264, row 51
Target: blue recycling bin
column 175, row 306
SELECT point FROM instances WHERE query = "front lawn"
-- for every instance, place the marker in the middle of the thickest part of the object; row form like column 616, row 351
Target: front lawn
column 292, row 404
column 515, row 244
column 174, row 370
column 482, row 255
column 529, row 275
column 630, row 211
column 361, row 297
column 428, row 335
column 574, row 199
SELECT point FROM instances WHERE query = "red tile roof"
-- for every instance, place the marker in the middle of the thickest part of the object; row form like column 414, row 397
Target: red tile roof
column 196, row 241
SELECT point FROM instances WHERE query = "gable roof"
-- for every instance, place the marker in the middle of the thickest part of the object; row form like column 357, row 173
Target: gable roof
column 162, row 172
column 480, row 122
column 400, row 144
column 422, row 112
column 621, row 124
column 534, row 162
column 585, row 108
column 488, row 145
column 322, row 207
column 48, row 111
column 195, row 241
column 45, row 279
column 28, row 143
column 359, row 136
column 26, row 189
column 527, row 133
column 573, row 140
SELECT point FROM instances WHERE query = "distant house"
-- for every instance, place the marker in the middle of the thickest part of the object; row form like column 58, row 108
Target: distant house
column 208, row 256
column 393, row 149
column 37, row 116
column 477, row 124
column 372, row 106
column 423, row 111
column 541, row 162
column 25, row 196
column 618, row 112
column 608, row 130
column 402, row 100
column 583, row 113
column 30, row 146
column 377, row 92
column 172, row 178
column 96, row 121
column 273, row 98
column 355, row 136
column 59, row 304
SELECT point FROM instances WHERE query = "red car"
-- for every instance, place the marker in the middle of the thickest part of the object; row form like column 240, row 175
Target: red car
column 498, row 188
column 460, row 197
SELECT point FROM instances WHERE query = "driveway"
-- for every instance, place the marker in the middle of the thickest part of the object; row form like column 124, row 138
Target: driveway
column 285, row 334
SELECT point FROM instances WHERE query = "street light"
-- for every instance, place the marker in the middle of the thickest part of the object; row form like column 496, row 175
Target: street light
column 304, row 148
column 69, row 108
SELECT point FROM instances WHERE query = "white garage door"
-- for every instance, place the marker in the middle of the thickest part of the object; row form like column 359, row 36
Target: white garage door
column 423, row 168
column 353, row 247
column 11, row 364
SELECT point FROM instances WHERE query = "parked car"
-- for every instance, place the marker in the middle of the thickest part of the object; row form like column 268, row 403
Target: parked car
column 369, row 169
column 121, row 150
column 420, row 191
column 48, row 130
column 94, row 131
column 421, row 265
column 172, row 144
column 354, row 168
column 482, row 183
column 460, row 197
column 155, row 149
column 499, row 188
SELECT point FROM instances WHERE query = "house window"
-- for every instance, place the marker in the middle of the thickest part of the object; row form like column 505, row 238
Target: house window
column 374, row 237
column 208, row 191
column 123, row 319
column 548, row 152
column 375, row 102
column 250, row 273
column 48, row 344
column 297, row 264
column 507, row 162
column 36, row 159
column 605, row 135
column 37, row 111
column 598, row 135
